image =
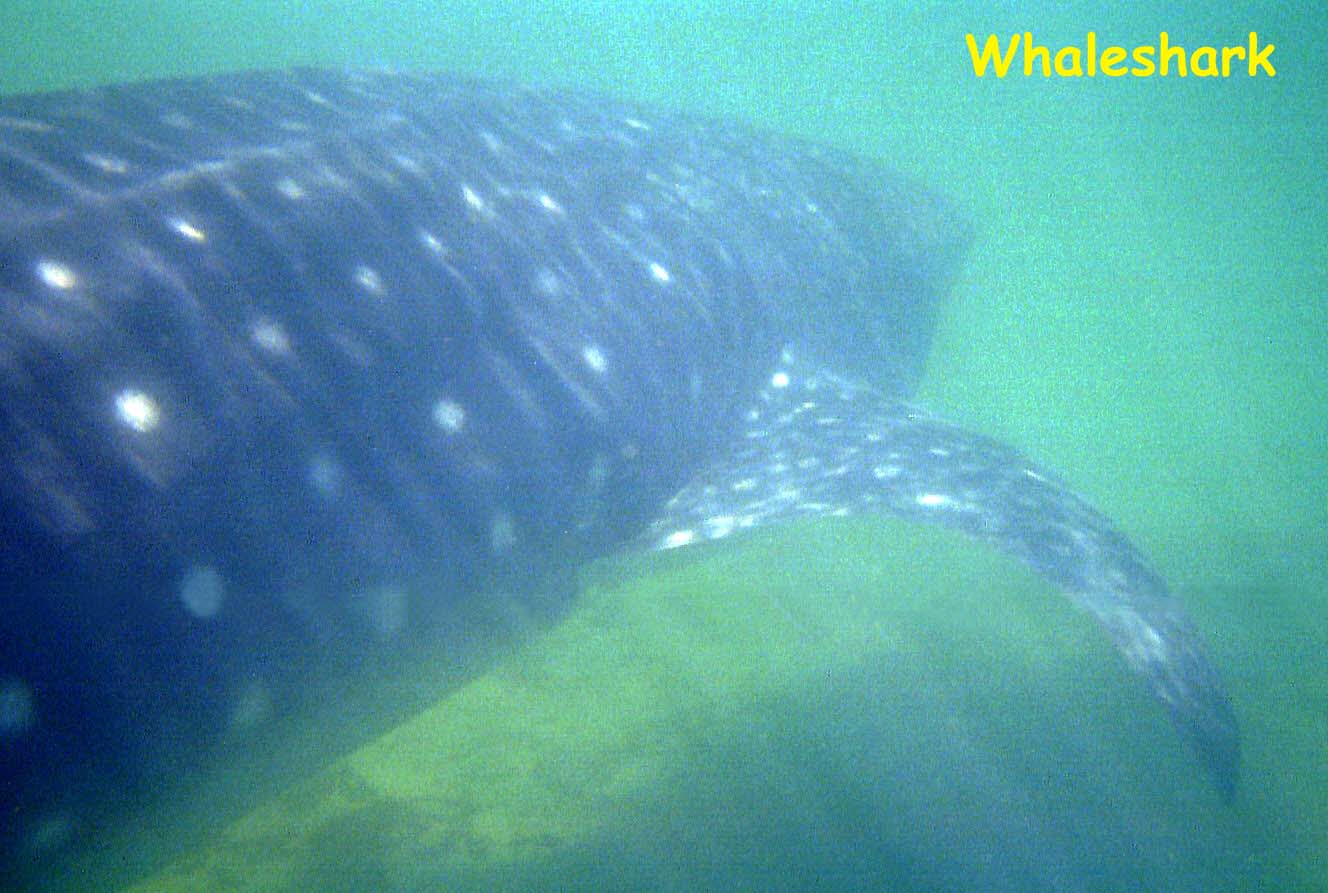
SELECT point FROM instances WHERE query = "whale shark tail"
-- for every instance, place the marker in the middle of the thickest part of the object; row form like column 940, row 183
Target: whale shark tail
column 816, row 445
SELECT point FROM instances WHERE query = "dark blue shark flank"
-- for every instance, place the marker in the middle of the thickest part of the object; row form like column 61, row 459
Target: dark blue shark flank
column 274, row 346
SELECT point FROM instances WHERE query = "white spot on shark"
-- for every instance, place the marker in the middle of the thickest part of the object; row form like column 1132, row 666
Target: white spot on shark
column 187, row 229
column 408, row 164
column 177, row 121
column 107, row 164
column 325, row 475
column 18, row 711
column 678, row 538
column 449, row 415
column 595, row 358
column 368, row 279
column 547, row 283
column 719, row 526
column 25, row 125
column 269, row 336
column 474, row 201
column 502, row 532
column 136, row 410
column 386, row 607
column 431, row 242
column 56, row 274
column 290, row 189
column 550, row 204
column 202, row 591
column 251, row 704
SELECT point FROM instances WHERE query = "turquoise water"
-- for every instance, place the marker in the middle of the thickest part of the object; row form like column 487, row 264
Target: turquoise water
column 1143, row 309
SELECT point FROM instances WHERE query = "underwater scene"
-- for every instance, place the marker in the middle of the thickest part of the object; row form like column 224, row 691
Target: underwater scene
column 663, row 446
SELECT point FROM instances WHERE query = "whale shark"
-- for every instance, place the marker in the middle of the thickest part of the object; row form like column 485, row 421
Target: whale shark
column 275, row 344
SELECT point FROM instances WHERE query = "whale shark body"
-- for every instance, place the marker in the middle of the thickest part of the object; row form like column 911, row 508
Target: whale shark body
column 274, row 342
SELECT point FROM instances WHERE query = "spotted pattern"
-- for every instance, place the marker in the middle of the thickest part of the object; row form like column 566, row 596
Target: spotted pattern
column 274, row 343
column 55, row 274
column 817, row 445
column 311, row 242
column 137, row 410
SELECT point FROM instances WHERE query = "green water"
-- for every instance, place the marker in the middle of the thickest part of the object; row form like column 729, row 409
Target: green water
column 1144, row 310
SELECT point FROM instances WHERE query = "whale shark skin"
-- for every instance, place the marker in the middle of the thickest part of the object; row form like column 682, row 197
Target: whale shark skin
column 274, row 342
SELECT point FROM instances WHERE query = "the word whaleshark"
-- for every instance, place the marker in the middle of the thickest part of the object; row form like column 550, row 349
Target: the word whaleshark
column 319, row 331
